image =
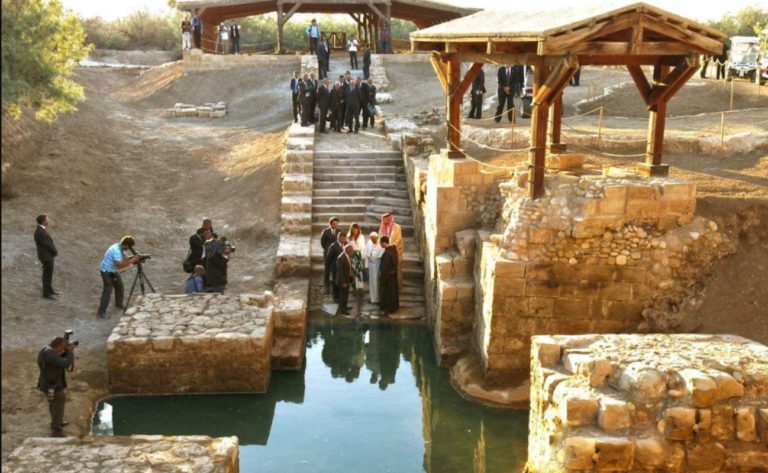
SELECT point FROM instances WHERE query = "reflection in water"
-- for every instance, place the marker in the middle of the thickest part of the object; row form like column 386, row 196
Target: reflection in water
column 377, row 419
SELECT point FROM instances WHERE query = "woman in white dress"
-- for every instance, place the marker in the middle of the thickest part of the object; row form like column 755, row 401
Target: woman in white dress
column 373, row 252
column 357, row 240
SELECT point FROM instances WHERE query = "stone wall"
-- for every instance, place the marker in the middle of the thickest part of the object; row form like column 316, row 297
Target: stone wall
column 637, row 403
column 195, row 59
column 588, row 257
column 134, row 454
column 192, row 343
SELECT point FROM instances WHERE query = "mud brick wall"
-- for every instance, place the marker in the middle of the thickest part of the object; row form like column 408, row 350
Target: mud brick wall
column 134, row 454
column 638, row 403
column 192, row 343
column 589, row 257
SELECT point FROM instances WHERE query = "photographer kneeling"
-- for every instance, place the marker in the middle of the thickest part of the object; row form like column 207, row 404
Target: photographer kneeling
column 53, row 360
column 114, row 260
column 216, row 260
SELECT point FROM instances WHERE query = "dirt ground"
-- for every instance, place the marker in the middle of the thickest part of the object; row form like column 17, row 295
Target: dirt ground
column 115, row 167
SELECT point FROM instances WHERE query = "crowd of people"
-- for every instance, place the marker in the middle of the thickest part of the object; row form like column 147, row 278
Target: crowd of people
column 207, row 260
column 339, row 105
column 353, row 264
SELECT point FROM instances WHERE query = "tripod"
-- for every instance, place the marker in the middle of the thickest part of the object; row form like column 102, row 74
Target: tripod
column 141, row 278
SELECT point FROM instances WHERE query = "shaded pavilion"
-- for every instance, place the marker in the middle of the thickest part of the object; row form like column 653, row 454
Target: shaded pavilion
column 368, row 14
column 556, row 43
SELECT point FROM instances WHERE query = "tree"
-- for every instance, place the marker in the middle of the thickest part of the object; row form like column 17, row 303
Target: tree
column 41, row 45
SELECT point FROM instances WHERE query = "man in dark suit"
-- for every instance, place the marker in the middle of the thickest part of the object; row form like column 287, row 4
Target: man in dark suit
column 335, row 107
column 305, row 99
column 345, row 83
column 367, row 102
column 295, row 95
column 46, row 252
column 234, row 38
column 344, row 278
column 336, row 248
column 323, row 102
column 195, row 253
column 313, row 102
column 322, row 55
column 367, row 63
column 476, row 95
column 506, row 91
column 53, row 361
column 329, row 235
column 353, row 105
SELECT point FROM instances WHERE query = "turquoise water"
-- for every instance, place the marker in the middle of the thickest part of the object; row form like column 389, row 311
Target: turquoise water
column 370, row 398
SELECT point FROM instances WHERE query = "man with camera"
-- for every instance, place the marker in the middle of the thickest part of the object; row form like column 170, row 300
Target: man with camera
column 216, row 261
column 53, row 360
column 114, row 260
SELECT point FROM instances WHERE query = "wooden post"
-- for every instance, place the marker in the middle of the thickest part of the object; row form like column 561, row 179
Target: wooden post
column 453, row 106
column 280, row 23
column 388, row 26
column 555, row 125
column 722, row 130
column 538, row 140
column 600, row 127
column 656, row 122
column 730, row 106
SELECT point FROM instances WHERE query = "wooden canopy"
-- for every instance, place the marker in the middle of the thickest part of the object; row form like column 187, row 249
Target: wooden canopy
column 368, row 14
column 556, row 44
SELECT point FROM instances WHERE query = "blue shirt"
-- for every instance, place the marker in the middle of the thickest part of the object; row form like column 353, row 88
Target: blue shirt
column 313, row 31
column 113, row 256
column 194, row 284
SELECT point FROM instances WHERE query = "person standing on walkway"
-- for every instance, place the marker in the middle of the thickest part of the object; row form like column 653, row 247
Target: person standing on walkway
column 46, row 252
column 344, row 277
column 335, row 107
column 367, row 63
column 305, row 99
column 389, row 298
column 373, row 252
column 113, row 261
column 53, row 361
column 234, row 33
column 476, row 95
column 186, row 35
column 353, row 105
column 352, row 48
column 321, row 52
column 323, row 102
column 506, row 92
column 313, row 34
column 197, row 28
column 295, row 95
column 369, row 109
column 327, row 238
column 223, row 38
column 394, row 235
column 331, row 259
column 357, row 242
column 313, row 102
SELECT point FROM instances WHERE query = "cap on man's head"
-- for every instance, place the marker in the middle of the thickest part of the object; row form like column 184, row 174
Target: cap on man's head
column 373, row 234
column 127, row 241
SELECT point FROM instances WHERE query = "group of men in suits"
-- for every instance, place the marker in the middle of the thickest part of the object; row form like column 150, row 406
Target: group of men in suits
column 340, row 103
column 510, row 83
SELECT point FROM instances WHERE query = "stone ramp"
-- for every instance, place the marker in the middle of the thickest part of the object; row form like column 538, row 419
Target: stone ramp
column 357, row 178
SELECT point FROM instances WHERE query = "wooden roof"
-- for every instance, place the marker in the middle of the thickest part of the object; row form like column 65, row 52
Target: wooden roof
column 613, row 29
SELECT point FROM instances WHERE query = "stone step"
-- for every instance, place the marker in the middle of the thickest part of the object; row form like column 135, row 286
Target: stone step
column 297, row 183
column 348, row 192
column 322, row 163
column 412, row 277
column 357, row 154
column 300, row 143
column 363, row 200
column 373, row 187
column 382, row 209
column 367, row 217
column 354, row 168
column 296, row 203
column 352, row 177
column 298, row 156
column 412, row 262
column 361, row 209
column 365, row 226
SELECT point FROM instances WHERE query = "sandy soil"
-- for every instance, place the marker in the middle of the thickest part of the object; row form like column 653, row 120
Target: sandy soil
column 114, row 168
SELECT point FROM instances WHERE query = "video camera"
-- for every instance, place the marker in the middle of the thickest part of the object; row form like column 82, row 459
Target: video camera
column 142, row 256
column 67, row 335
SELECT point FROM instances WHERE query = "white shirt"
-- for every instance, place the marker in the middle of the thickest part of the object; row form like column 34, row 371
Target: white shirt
column 373, row 252
column 353, row 45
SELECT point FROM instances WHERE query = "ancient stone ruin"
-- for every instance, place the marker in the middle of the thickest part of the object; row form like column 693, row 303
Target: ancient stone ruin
column 648, row 403
column 208, row 110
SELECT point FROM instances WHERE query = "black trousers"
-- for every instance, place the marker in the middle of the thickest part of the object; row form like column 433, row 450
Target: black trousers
column 295, row 103
column 235, row 45
column 312, row 45
column 336, row 287
column 305, row 111
column 576, row 77
column 476, row 111
column 322, row 119
column 353, row 112
column 312, row 108
column 366, row 71
column 56, row 408
column 47, row 277
column 343, row 298
column 353, row 59
column 342, row 115
column 196, row 36
column 720, row 71
column 509, row 99
column 322, row 68
column 367, row 116
column 110, row 281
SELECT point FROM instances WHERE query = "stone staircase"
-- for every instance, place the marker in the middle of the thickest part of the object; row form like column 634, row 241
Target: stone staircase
column 358, row 187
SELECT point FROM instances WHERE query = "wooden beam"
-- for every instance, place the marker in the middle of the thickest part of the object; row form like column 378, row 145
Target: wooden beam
column 604, row 28
column 453, row 105
column 656, row 122
column 641, row 82
column 625, row 48
column 636, row 41
column 678, row 33
column 671, row 84
column 555, row 125
column 556, row 81
column 538, row 140
column 293, row 10
column 375, row 10
column 462, row 87
column 439, row 66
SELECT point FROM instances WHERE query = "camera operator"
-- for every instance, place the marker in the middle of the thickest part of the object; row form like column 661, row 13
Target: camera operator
column 53, row 360
column 114, row 260
column 217, row 254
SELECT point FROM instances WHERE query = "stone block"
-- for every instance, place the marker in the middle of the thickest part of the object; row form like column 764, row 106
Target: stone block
column 704, row 457
column 564, row 161
column 541, row 289
column 629, row 311
column 616, row 291
column 614, row 454
column 588, row 365
column 566, row 307
column 723, row 427
column 578, row 411
column 746, row 424
column 703, row 427
column 547, row 350
column 613, row 415
column 650, row 453
column 540, row 307
column 701, row 389
column 509, row 269
column 465, row 242
column 679, row 422
column 678, row 190
column 727, row 386
column 763, row 424
column 579, row 453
